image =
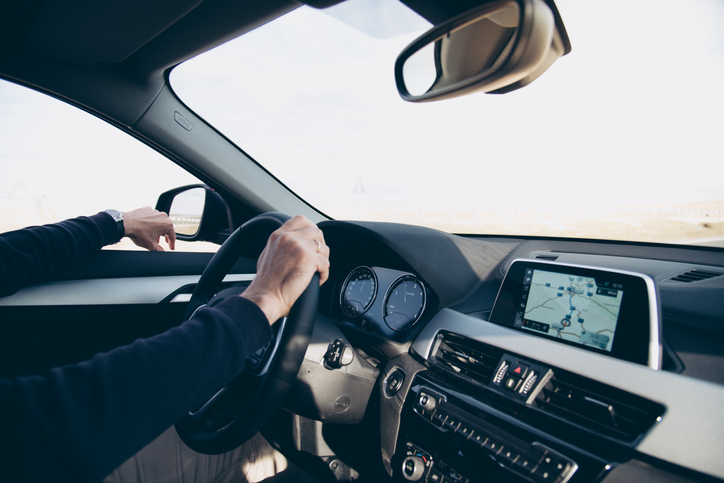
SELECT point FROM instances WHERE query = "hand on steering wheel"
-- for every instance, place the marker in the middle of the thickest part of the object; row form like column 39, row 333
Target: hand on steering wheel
column 292, row 255
column 295, row 252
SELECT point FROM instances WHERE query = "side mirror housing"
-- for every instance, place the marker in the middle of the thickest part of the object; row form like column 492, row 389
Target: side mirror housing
column 497, row 47
column 198, row 213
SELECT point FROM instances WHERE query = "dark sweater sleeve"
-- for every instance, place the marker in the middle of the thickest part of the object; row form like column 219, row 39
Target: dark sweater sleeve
column 80, row 422
column 37, row 252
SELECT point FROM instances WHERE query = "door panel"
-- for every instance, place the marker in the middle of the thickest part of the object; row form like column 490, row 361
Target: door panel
column 109, row 300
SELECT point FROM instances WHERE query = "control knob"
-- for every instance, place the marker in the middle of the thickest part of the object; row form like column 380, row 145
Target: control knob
column 413, row 468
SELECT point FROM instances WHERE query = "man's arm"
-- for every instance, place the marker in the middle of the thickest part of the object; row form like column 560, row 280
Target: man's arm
column 79, row 422
column 35, row 253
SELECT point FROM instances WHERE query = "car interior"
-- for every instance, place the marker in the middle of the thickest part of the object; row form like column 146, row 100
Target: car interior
column 429, row 355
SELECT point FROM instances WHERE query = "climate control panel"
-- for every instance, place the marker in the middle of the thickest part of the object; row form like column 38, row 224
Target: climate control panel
column 445, row 442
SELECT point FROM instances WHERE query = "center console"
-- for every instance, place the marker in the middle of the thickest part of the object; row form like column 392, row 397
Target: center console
column 478, row 414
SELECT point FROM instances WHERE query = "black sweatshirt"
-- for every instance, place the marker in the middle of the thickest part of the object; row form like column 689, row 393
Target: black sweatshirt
column 78, row 423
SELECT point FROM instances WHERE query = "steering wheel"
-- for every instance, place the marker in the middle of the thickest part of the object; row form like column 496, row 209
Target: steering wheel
column 237, row 411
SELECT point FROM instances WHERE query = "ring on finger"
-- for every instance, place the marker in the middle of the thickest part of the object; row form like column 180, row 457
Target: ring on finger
column 319, row 245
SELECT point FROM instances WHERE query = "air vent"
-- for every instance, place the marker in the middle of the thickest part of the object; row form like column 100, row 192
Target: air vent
column 694, row 276
column 597, row 407
column 547, row 256
column 466, row 357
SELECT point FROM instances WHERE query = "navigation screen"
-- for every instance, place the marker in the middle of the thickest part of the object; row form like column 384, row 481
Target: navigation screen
column 579, row 309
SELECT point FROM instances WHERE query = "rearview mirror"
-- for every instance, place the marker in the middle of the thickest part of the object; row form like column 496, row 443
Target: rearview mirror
column 497, row 47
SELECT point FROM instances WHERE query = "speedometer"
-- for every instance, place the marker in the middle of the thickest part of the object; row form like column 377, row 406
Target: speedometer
column 404, row 303
column 358, row 292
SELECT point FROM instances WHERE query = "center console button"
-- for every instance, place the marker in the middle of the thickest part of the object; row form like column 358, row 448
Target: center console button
column 524, row 465
column 493, row 446
column 451, row 423
column 427, row 402
column 543, row 475
column 413, row 468
column 553, row 463
column 435, row 477
column 439, row 417
column 463, row 430
column 478, row 438
column 508, row 456
column 518, row 370
column 511, row 383
column 394, row 382
column 500, row 372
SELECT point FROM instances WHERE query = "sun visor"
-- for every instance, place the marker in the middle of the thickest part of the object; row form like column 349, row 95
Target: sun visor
column 90, row 32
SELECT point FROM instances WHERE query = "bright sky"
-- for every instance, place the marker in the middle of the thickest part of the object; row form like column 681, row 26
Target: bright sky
column 632, row 114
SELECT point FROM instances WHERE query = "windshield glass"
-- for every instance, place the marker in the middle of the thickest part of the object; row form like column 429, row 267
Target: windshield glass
column 620, row 139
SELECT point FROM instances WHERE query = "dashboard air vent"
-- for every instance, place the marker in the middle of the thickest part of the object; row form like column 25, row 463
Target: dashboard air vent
column 598, row 407
column 694, row 276
column 547, row 256
column 466, row 357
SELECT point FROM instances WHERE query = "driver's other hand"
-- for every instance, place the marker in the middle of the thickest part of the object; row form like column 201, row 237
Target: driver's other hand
column 145, row 226
column 293, row 254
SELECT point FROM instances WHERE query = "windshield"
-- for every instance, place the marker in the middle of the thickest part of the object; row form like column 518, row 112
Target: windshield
column 620, row 139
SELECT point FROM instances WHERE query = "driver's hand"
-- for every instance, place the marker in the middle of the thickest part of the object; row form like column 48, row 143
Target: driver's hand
column 293, row 254
column 145, row 226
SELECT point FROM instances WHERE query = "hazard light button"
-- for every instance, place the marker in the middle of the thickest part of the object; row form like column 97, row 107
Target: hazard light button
column 517, row 369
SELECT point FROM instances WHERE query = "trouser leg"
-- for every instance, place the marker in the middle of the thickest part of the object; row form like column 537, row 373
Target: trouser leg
column 168, row 460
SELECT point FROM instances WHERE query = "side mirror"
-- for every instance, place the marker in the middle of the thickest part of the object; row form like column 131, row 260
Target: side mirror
column 497, row 47
column 198, row 213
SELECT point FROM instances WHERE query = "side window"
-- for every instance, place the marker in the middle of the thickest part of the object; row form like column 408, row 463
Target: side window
column 58, row 162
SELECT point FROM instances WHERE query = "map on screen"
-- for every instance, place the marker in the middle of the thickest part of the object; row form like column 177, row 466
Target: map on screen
column 574, row 308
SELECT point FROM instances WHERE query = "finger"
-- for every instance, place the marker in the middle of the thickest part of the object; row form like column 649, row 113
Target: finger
column 153, row 245
column 323, row 268
column 310, row 233
column 171, row 238
column 297, row 223
column 323, row 276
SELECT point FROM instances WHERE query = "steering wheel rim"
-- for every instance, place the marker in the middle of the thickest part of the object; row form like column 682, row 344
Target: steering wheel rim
column 237, row 411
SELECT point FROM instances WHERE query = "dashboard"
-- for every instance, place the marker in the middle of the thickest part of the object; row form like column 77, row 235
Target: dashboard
column 473, row 386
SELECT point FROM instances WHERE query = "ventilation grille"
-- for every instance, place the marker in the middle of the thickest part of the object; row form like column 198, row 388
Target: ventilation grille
column 597, row 407
column 694, row 276
column 466, row 357
column 547, row 256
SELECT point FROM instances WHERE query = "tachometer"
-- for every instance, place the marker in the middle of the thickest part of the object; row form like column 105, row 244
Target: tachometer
column 404, row 303
column 358, row 292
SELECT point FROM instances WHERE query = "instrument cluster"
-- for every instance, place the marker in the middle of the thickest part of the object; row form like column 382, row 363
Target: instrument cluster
column 382, row 300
